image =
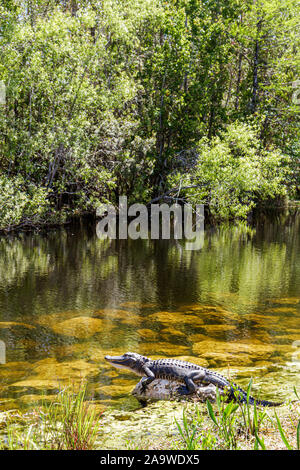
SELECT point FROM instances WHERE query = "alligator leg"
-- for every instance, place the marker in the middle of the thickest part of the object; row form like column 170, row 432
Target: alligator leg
column 147, row 380
column 189, row 379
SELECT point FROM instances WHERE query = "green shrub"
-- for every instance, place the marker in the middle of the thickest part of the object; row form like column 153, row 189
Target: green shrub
column 21, row 203
column 233, row 173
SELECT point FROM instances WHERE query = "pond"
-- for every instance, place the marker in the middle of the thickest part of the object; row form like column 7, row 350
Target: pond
column 68, row 298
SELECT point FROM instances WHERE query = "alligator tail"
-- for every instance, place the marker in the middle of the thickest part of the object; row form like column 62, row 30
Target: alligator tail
column 240, row 395
column 264, row 402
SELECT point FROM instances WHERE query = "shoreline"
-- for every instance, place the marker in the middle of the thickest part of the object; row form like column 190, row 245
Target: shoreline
column 124, row 430
column 90, row 216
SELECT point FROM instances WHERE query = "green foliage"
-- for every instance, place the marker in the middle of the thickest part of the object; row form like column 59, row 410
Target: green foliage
column 285, row 440
column 71, row 422
column 67, row 423
column 192, row 433
column 20, row 202
column 226, row 422
column 252, row 417
column 109, row 98
column 233, row 172
column 230, row 421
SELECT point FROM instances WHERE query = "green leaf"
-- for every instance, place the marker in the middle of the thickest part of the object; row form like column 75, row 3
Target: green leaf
column 259, row 441
column 282, row 433
column 211, row 412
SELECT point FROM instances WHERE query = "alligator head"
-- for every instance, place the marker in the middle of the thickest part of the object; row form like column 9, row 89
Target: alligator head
column 131, row 361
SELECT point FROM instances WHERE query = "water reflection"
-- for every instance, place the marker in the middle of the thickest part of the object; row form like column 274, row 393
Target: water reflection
column 67, row 298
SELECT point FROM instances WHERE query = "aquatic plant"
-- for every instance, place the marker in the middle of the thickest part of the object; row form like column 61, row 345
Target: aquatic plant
column 68, row 423
column 234, row 426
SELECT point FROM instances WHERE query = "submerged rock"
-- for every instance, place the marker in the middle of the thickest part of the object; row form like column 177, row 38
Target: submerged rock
column 12, row 324
column 161, row 389
column 175, row 318
column 234, row 353
column 49, row 375
column 287, row 300
column 147, row 334
column 79, row 327
column 163, row 348
column 170, row 331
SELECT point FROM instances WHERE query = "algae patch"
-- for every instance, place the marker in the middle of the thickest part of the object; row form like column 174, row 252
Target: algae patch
column 123, row 429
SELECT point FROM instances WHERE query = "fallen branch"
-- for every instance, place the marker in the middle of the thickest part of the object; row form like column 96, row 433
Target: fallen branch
column 162, row 196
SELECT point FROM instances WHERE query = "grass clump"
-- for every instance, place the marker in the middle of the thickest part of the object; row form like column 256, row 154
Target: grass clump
column 235, row 425
column 67, row 423
column 70, row 422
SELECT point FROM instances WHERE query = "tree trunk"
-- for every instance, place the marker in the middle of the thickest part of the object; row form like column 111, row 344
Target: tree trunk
column 238, row 82
column 255, row 86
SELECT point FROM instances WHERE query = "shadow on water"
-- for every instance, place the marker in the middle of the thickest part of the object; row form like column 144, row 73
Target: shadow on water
column 68, row 298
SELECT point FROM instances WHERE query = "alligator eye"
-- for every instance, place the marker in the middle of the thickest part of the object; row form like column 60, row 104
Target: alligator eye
column 131, row 355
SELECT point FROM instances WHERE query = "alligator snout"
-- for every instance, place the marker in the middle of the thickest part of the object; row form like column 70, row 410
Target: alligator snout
column 114, row 359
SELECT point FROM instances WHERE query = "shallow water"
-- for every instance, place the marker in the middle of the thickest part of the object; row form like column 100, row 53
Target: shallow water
column 68, row 298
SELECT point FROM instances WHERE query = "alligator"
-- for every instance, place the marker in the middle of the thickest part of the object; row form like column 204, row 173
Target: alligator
column 184, row 372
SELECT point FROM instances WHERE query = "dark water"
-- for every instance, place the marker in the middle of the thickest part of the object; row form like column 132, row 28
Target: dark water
column 68, row 298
